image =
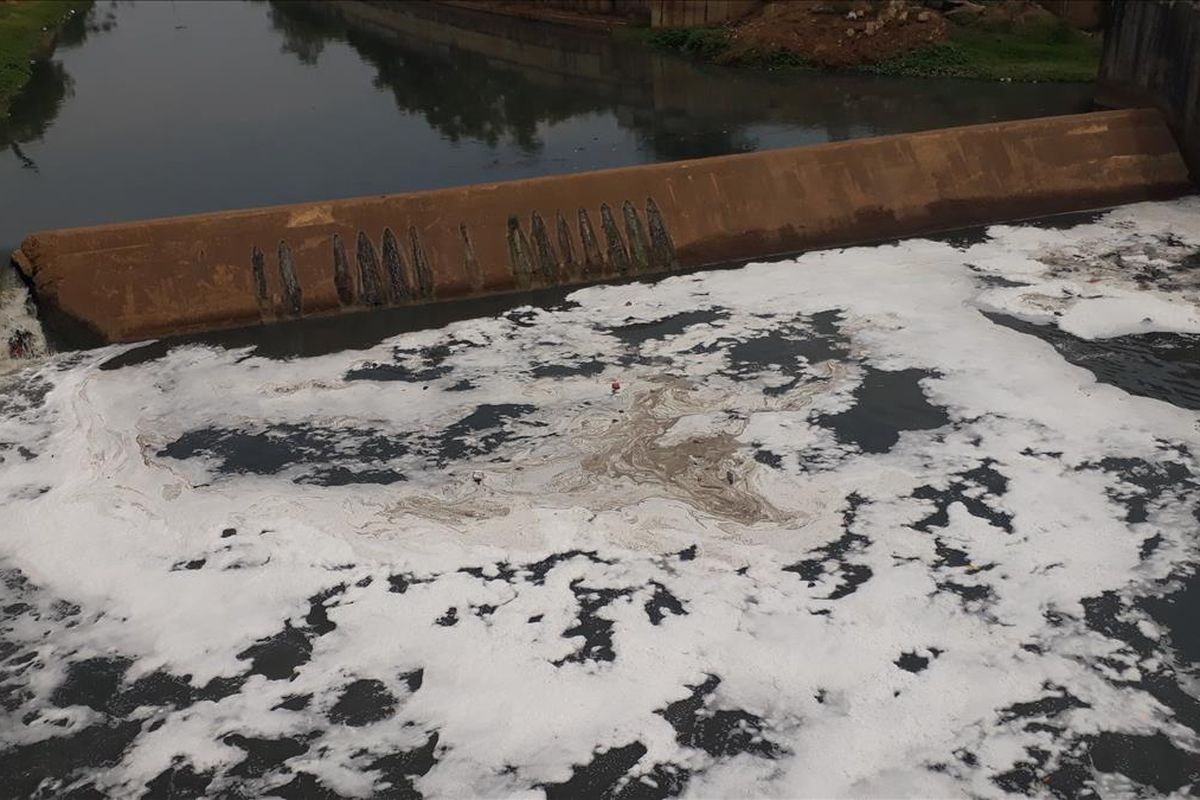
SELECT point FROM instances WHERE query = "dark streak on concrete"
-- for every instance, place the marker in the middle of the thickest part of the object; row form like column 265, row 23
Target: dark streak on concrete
column 639, row 245
column 342, row 279
column 371, row 290
column 618, row 256
column 519, row 254
column 662, row 249
column 260, row 277
column 421, row 266
column 399, row 288
column 593, row 261
column 569, row 267
column 292, row 297
column 546, row 259
column 470, row 261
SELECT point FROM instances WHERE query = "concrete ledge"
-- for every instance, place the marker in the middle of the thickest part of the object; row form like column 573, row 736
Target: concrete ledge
column 1150, row 59
column 145, row 279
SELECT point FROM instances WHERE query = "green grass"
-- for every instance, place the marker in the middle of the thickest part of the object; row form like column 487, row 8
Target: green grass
column 26, row 32
column 1040, row 51
column 709, row 44
column 1034, row 51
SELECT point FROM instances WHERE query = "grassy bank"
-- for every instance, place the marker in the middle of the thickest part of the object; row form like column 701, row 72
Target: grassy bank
column 27, row 31
column 1034, row 51
column 1043, row 50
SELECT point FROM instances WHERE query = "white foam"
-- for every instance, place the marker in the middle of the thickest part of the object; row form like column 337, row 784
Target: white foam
column 585, row 472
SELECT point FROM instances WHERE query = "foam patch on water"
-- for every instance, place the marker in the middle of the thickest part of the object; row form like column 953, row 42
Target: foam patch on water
column 1135, row 271
column 813, row 528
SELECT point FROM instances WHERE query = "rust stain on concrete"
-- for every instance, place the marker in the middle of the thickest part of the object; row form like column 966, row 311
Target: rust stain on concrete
column 152, row 278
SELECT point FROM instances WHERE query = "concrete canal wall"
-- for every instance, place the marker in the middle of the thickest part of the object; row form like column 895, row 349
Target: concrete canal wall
column 1152, row 58
column 145, row 279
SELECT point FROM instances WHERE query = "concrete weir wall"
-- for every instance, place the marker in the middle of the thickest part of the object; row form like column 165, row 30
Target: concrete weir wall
column 1152, row 58
column 145, row 279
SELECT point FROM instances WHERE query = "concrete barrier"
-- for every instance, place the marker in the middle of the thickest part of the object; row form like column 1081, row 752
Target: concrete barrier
column 145, row 279
column 1152, row 59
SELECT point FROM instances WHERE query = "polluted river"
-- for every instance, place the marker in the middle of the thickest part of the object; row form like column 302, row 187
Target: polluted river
column 913, row 519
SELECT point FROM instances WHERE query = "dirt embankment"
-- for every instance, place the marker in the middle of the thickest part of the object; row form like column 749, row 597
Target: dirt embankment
column 837, row 34
column 993, row 39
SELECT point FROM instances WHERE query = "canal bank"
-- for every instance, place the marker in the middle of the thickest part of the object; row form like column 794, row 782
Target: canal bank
column 28, row 33
column 1019, row 40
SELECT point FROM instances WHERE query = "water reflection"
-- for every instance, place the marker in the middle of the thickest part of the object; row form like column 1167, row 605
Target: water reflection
column 184, row 107
column 460, row 92
column 304, row 34
column 489, row 78
column 34, row 110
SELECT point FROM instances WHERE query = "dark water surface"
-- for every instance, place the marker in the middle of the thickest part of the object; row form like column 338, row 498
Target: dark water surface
column 158, row 108
column 1162, row 366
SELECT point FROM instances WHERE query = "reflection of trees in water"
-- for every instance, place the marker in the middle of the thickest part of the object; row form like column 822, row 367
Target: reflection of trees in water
column 303, row 34
column 461, row 95
column 470, row 99
column 35, row 108
column 674, row 138
column 465, row 95
column 494, row 79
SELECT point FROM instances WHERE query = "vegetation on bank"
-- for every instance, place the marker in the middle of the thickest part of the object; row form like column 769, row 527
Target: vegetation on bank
column 27, row 31
column 715, row 45
column 1035, row 50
